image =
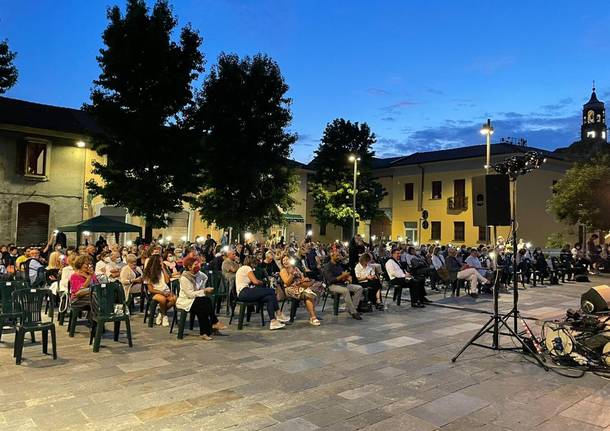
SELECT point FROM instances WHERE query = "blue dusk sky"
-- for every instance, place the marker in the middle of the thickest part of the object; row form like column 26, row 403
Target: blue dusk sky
column 423, row 75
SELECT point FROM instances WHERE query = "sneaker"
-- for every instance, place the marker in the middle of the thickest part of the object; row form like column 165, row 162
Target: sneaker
column 276, row 325
column 159, row 319
column 282, row 319
column 165, row 321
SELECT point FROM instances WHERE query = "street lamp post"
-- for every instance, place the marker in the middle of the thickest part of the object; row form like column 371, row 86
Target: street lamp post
column 354, row 160
column 487, row 130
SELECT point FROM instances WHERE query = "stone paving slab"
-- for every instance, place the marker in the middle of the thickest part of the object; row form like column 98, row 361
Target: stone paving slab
column 392, row 371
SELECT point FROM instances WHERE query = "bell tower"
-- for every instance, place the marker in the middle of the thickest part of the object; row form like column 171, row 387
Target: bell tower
column 593, row 127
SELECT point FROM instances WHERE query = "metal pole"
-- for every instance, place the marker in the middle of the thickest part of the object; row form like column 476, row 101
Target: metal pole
column 354, row 198
column 514, row 227
column 488, row 158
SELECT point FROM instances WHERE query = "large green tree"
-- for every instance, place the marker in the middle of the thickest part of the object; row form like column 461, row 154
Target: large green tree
column 139, row 100
column 583, row 194
column 244, row 114
column 8, row 71
column 332, row 184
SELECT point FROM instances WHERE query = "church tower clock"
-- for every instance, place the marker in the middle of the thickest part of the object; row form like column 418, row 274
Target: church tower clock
column 593, row 127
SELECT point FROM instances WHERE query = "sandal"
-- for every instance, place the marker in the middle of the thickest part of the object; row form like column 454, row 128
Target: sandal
column 206, row 337
column 314, row 322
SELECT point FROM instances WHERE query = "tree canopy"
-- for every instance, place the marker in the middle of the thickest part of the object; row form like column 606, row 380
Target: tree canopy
column 332, row 184
column 583, row 194
column 8, row 71
column 139, row 99
column 243, row 112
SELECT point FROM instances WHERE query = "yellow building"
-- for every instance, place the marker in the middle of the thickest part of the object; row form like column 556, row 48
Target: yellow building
column 441, row 183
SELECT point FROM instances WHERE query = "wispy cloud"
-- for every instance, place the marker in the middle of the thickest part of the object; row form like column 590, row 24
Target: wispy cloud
column 435, row 91
column 395, row 107
column 378, row 92
column 540, row 131
column 388, row 119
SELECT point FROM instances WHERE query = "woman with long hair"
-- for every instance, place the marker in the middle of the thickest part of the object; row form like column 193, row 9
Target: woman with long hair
column 157, row 278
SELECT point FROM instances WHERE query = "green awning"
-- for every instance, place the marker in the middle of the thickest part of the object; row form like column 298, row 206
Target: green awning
column 294, row 218
column 101, row 224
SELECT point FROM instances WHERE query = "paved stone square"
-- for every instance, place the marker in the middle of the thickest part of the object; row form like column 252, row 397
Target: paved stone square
column 390, row 372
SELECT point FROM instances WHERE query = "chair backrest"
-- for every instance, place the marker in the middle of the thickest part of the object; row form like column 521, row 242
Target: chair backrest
column 6, row 293
column 216, row 281
column 105, row 296
column 29, row 303
column 174, row 285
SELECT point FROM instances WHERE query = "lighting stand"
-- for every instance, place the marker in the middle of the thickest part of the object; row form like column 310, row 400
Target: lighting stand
column 497, row 321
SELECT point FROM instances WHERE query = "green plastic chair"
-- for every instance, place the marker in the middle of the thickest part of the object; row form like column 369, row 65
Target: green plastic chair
column 106, row 297
column 221, row 290
column 29, row 303
column 8, row 315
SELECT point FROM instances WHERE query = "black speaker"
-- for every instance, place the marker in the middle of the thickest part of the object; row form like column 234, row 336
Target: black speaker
column 595, row 299
column 491, row 200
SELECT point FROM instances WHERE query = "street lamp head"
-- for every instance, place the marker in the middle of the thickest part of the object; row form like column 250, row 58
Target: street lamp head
column 353, row 158
column 80, row 144
column 487, row 129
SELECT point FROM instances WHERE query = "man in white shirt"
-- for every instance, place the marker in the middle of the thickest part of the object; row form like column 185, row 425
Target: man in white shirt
column 474, row 261
column 400, row 279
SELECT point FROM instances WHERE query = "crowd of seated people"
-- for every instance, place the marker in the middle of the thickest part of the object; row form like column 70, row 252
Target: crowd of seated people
column 271, row 272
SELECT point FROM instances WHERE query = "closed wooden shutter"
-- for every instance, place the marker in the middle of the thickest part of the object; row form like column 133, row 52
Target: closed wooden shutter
column 32, row 224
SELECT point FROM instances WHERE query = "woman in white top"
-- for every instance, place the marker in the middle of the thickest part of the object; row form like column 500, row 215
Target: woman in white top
column 131, row 276
column 367, row 277
column 157, row 279
column 251, row 289
column 193, row 299
column 66, row 273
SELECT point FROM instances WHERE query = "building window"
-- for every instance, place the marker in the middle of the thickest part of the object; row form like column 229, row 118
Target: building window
column 437, row 189
column 484, row 234
column 591, row 134
column 33, row 159
column 411, row 231
column 323, row 229
column 604, row 135
column 408, row 191
column 435, row 230
column 458, row 231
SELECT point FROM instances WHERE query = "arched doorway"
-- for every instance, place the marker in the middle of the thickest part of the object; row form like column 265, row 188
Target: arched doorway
column 32, row 223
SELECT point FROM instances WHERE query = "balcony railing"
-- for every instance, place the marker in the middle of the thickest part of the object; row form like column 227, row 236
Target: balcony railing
column 457, row 203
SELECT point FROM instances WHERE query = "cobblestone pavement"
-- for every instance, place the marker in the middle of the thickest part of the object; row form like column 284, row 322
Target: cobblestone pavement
column 391, row 371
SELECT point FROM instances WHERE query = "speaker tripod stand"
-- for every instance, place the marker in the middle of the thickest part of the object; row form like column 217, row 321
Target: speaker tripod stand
column 497, row 322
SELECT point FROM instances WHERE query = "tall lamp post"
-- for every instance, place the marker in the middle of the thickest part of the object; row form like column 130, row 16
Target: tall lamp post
column 354, row 160
column 487, row 130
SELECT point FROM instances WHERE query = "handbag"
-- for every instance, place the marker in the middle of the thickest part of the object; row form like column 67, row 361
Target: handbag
column 443, row 273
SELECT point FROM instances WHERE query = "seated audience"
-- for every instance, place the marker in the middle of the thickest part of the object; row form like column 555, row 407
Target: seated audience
column 367, row 278
column 340, row 281
column 402, row 279
column 299, row 287
column 251, row 289
column 193, row 299
column 157, row 280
